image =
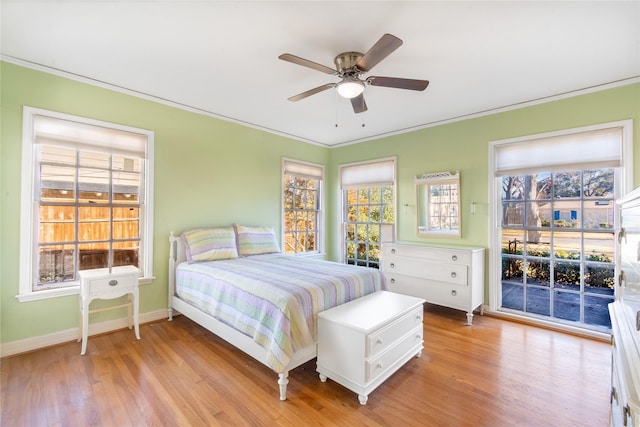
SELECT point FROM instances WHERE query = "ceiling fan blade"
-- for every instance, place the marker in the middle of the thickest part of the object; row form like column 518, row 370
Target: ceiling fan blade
column 310, row 92
column 378, row 52
column 398, row 83
column 306, row 63
column 358, row 104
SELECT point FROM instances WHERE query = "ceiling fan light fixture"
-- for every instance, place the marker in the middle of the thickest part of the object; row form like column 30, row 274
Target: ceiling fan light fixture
column 350, row 88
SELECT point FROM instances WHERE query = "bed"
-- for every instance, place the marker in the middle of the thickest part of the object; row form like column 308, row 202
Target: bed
column 261, row 301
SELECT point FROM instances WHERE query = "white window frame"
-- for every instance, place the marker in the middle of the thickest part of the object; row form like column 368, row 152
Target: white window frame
column 366, row 174
column 495, row 245
column 29, row 224
column 314, row 171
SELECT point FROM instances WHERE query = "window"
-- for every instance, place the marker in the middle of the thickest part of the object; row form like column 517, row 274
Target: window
column 556, row 216
column 302, row 194
column 86, row 189
column 368, row 200
column 438, row 196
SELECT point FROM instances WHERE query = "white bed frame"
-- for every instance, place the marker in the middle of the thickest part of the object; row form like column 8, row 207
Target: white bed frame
column 176, row 256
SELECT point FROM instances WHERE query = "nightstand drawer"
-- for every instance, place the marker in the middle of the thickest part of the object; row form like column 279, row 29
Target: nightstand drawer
column 112, row 284
column 100, row 283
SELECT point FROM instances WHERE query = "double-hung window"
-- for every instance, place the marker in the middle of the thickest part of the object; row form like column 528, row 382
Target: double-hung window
column 368, row 209
column 302, row 195
column 86, row 201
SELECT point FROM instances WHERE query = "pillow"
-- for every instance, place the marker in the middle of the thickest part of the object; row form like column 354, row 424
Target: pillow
column 256, row 240
column 210, row 244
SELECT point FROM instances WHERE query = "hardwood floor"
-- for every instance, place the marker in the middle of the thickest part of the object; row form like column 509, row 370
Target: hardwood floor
column 494, row 373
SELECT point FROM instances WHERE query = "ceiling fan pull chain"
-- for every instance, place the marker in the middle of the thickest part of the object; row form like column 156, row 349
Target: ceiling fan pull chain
column 335, row 99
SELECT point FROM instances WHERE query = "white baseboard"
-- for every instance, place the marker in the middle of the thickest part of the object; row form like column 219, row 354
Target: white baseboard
column 34, row 343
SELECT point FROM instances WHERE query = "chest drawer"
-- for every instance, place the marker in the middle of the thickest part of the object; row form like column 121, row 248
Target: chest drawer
column 407, row 344
column 380, row 340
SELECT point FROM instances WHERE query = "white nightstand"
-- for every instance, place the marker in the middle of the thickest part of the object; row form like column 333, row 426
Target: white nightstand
column 102, row 284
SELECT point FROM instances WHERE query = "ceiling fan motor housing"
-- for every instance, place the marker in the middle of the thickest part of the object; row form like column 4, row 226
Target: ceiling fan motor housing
column 346, row 63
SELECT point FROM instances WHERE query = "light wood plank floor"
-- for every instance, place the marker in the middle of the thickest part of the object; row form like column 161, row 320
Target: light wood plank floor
column 494, row 373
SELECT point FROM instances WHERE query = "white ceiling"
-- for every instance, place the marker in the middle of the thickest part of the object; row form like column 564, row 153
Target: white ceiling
column 221, row 57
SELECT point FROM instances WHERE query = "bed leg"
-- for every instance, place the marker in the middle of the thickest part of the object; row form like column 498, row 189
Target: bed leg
column 283, row 380
column 170, row 314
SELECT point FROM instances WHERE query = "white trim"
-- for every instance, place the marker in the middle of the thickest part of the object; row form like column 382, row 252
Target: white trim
column 588, row 333
column 28, row 203
column 34, row 343
column 141, row 95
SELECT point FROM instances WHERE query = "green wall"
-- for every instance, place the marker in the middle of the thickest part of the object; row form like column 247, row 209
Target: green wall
column 213, row 172
column 464, row 146
column 207, row 172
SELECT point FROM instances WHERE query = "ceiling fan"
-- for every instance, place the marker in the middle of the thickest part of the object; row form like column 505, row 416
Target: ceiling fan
column 350, row 67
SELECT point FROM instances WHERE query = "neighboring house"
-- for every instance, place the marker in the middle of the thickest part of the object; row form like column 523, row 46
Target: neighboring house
column 212, row 172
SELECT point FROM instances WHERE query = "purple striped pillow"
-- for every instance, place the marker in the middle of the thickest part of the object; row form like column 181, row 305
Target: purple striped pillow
column 210, row 244
column 256, row 240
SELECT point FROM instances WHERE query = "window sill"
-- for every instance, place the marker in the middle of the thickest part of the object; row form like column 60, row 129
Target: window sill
column 63, row 292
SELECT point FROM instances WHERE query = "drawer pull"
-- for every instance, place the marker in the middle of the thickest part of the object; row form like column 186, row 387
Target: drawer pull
column 392, row 265
column 454, row 292
column 379, row 365
column 454, row 257
column 453, row 274
column 393, row 251
column 379, row 341
column 393, row 280
column 113, row 282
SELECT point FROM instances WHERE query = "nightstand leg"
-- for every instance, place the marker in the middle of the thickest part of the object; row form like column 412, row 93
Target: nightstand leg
column 85, row 325
column 129, row 310
column 135, row 297
column 79, row 318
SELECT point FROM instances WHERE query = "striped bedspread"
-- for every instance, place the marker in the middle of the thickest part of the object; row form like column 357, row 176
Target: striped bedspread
column 273, row 298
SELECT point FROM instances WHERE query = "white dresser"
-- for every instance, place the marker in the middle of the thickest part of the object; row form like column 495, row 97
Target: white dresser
column 451, row 276
column 625, row 319
column 363, row 342
column 104, row 284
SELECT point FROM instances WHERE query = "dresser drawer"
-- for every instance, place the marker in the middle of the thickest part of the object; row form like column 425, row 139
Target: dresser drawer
column 436, row 271
column 409, row 343
column 426, row 252
column 447, row 294
column 387, row 336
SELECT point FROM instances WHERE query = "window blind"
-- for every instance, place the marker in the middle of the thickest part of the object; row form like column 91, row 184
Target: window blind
column 303, row 170
column 82, row 136
column 595, row 149
column 380, row 173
